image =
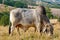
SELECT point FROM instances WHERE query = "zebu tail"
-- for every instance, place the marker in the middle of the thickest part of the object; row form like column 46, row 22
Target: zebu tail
column 9, row 27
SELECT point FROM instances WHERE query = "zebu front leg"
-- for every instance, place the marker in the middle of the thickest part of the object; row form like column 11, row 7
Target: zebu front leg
column 51, row 29
column 38, row 27
column 18, row 26
column 18, row 30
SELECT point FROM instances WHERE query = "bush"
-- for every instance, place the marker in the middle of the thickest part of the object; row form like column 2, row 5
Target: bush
column 16, row 4
column 49, row 14
column 11, row 3
column 1, row 14
column 4, row 19
column 20, row 4
column 59, row 19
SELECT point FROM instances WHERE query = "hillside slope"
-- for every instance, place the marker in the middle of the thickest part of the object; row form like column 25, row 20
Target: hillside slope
column 4, row 8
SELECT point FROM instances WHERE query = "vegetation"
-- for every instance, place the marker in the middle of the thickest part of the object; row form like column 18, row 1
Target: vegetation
column 20, row 4
column 16, row 4
column 4, row 18
column 59, row 19
column 49, row 14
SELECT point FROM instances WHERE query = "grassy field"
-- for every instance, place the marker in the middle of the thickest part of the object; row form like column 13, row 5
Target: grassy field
column 29, row 35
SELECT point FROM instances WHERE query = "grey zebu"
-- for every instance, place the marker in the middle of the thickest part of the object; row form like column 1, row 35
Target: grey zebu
column 25, row 18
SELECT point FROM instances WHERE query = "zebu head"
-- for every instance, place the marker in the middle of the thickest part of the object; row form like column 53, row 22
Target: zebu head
column 41, row 10
column 49, row 29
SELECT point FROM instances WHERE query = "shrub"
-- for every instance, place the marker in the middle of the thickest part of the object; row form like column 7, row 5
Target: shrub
column 20, row 4
column 59, row 19
column 49, row 14
column 4, row 20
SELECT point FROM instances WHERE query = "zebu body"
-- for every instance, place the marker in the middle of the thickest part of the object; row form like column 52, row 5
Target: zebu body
column 25, row 18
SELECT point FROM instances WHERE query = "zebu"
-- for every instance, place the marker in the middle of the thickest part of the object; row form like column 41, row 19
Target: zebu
column 26, row 18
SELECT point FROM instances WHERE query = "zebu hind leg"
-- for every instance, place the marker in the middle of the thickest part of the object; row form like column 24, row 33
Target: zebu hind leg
column 9, row 28
column 12, row 29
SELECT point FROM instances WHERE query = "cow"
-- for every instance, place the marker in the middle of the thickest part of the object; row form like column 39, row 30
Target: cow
column 25, row 18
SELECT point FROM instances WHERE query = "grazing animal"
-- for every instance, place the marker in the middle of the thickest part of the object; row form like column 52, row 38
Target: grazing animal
column 25, row 18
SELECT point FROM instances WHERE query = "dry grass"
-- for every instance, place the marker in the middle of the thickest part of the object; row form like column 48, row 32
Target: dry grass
column 4, row 8
column 29, row 35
